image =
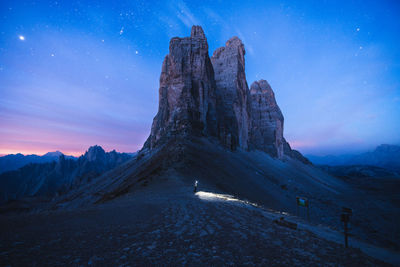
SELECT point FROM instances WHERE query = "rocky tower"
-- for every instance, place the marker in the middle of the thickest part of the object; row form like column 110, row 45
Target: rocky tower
column 199, row 96
column 266, row 131
column 187, row 91
column 232, row 94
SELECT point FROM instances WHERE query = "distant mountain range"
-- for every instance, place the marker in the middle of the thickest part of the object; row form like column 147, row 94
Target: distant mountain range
column 15, row 161
column 57, row 173
column 384, row 156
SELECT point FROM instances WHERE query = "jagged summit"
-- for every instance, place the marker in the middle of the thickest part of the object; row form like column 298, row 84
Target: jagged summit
column 266, row 120
column 235, row 42
column 203, row 96
column 232, row 94
column 53, row 154
column 197, row 31
column 187, row 91
column 95, row 153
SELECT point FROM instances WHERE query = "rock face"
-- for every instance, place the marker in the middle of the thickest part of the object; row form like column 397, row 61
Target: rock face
column 266, row 131
column 210, row 97
column 187, row 91
column 232, row 94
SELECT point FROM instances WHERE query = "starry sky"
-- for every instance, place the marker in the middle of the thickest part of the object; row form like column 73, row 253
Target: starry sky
column 78, row 73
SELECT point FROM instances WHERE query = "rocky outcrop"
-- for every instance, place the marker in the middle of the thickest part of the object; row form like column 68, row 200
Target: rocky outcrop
column 210, row 97
column 232, row 94
column 266, row 124
column 266, row 131
column 187, row 91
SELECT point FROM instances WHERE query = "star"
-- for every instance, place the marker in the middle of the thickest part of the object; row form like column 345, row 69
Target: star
column 121, row 31
column 21, row 37
column 136, row 52
column 358, row 29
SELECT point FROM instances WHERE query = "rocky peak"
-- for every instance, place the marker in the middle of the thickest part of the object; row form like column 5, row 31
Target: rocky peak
column 266, row 131
column 199, row 96
column 231, row 93
column 197, row 32
column 187, row 91
column 262, row 90
column 95, row 153
column 53, row 154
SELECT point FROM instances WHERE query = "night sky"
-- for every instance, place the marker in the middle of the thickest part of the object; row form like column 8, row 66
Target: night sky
column 78, row 73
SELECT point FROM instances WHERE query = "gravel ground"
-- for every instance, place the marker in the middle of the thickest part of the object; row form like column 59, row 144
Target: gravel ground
column 168, row 229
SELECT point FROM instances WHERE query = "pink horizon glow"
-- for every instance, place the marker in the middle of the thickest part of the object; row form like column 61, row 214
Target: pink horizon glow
column 26, row 150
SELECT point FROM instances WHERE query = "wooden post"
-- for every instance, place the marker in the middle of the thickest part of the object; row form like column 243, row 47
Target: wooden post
column 346, row 236
column 345, row 218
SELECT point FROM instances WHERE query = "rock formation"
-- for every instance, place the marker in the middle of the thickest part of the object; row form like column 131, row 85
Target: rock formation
column 187, row 91
column 266, row 131
column 199, row 96
column 232, row 94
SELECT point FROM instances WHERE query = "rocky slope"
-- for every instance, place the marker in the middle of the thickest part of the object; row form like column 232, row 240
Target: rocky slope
column 171, row 226
column 48, row 179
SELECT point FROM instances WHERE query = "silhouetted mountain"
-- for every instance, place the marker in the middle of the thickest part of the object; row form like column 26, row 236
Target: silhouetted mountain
column 359, row 171
column 57, row 176
column 15, row 161
column 53, row 154
column 385, row 156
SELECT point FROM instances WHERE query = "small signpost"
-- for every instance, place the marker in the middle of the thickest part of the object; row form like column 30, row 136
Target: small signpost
column 303, row 202
column 345, row 218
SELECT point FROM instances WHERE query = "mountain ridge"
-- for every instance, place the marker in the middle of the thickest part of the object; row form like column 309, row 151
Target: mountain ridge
column 57, row 176
column 385, row 156
column 14, row 161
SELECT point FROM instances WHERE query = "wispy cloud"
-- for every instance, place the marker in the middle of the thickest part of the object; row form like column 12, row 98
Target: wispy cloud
column 185, row 15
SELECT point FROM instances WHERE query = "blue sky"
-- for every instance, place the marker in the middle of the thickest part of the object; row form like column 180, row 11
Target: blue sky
column 87, row 72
